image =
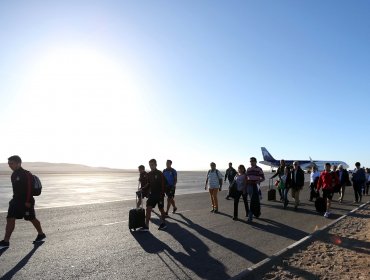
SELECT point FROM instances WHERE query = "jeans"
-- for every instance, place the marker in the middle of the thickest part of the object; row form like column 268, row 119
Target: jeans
column 357, row 188
column 236, row 203
column 285, row 192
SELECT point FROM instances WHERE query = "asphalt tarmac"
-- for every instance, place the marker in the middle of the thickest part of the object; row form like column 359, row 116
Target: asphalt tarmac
column 94, row 242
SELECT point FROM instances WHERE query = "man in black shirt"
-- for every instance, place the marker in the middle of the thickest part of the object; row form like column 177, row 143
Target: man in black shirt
column 22, row 204
column 156, row 183
column 230, row 175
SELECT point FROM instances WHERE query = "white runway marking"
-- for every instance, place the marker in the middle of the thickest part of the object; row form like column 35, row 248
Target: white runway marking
column 120, row 222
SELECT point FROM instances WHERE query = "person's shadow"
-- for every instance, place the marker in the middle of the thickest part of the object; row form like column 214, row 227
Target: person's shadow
column 196, row 256
column 247, row 252
column 2, row 251
column 21, row 264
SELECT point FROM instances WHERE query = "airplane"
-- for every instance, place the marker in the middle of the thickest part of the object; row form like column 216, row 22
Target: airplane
column 269, row 160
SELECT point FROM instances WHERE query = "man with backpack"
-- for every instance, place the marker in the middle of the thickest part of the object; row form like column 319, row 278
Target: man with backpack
column 170, row 175
column 230, row 175
column 214, row 181
column 22, row 205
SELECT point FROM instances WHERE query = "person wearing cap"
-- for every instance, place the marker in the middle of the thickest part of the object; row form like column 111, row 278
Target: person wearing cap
column 358, row 179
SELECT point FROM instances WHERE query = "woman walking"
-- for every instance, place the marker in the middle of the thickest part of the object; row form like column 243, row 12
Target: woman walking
column 240, row 181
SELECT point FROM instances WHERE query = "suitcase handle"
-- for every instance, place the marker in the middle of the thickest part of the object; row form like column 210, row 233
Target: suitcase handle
column 141, row 193
column 271, row 183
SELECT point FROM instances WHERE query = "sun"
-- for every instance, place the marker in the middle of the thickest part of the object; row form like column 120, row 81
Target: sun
column 79, row 99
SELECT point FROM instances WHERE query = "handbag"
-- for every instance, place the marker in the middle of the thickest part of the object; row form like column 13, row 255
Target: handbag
column 233, row 189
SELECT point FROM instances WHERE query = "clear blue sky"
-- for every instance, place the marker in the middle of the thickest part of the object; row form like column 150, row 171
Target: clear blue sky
column 116, row 83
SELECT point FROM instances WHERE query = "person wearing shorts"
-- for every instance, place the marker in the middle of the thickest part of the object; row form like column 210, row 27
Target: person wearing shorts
column 170, row 174
column 156, row 196
column 327, row 181
column 22, row 205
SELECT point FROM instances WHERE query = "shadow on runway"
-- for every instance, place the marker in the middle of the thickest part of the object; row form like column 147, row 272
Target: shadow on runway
column 247, row 252
column 291, row 208
column 359, row 246
column 2, row 251
column 280, row 229
column 22, row 263
column 196, row 258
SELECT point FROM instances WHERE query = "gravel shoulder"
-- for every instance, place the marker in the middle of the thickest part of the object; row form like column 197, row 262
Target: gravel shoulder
column 341, row 251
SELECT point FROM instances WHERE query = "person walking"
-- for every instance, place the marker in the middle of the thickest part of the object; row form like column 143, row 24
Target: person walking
column 297, row 182
column 358, row 179
column 240, row 180
column 367, row 181
column 327, row 181
column 344, row 181
column 284, row 185
column 230, row 175
column 214, row 181
column 280, row 172
column 170, row 174
column 156, row 184
column 22, row 205
column 314, row 178
column 143, row 183
column 254, row 176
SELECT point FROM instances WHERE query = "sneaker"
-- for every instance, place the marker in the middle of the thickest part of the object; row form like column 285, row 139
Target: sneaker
column 228, row 197
column 326, row 215
column 249, row 220
column 4, row 244
column 174, row 210
column 212, row 210
column 144, row 228
column 162, row 226
column 39, row 238
column 166, row 213
column 215, row 211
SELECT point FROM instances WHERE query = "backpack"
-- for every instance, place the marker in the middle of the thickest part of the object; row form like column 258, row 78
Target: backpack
column 36, row 186
column 217, row 173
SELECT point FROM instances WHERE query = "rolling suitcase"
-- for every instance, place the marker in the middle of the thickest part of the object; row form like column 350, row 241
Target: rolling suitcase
column 320, row 205
column 136, row 217
column 271, row 193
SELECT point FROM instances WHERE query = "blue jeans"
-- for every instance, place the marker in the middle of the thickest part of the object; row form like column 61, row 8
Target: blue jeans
column 285, row 192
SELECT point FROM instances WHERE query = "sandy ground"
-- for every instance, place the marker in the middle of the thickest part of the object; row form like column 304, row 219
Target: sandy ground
column 340, row 252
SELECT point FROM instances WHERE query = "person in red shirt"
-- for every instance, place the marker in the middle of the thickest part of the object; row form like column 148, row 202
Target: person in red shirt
column 327, row 181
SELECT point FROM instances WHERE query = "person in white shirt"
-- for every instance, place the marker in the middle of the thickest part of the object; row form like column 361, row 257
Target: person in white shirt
column 214, row 182
column 314, row 178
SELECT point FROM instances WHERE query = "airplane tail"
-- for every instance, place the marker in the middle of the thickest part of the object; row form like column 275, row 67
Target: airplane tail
column 266, row 155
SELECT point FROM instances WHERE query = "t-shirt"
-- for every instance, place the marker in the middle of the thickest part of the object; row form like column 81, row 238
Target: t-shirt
column 156, row 183
column 170, row 175
column 214, row 177
column 22, row 184
column 143, row 179
column 240, row 182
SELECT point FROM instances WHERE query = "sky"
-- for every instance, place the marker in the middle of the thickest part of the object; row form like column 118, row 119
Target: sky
column 116, row 83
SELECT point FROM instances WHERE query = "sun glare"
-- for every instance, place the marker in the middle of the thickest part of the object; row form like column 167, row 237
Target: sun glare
column 78, row 97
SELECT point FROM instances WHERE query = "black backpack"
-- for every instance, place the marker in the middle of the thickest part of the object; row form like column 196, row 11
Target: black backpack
column 36, row 186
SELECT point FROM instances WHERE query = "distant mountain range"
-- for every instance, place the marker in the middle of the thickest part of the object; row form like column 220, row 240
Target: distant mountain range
column 47, row 167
